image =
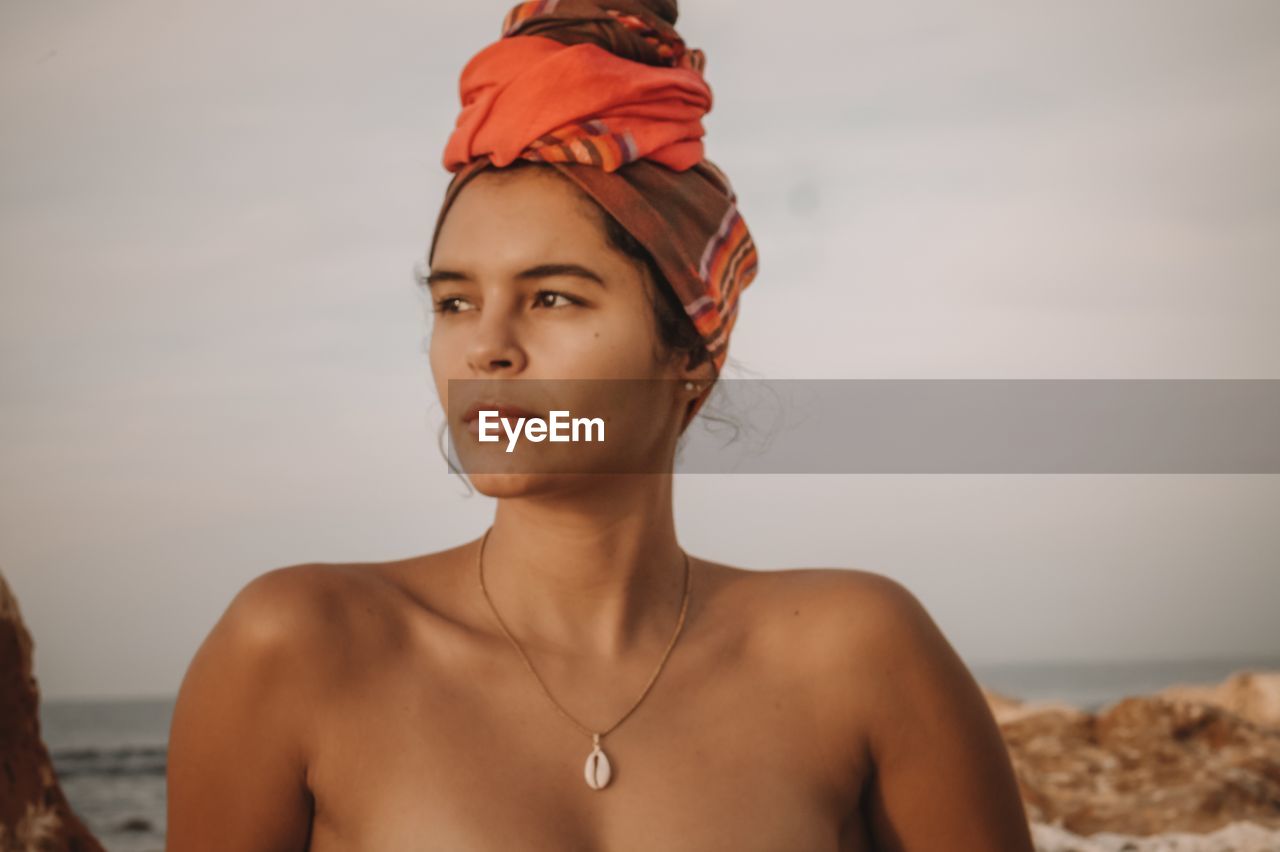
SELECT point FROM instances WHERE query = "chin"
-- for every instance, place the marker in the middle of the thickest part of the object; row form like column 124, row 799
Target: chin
column 538, row 470
column 508, row 484
column 512, row 485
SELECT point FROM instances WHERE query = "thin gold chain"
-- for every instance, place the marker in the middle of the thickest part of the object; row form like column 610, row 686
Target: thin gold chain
column 684, row 607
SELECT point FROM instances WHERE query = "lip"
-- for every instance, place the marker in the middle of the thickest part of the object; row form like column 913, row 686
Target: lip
column 506, row 411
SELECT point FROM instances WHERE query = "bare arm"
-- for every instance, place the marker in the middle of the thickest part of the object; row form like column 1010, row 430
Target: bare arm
column 942, row 779
column 236, row 762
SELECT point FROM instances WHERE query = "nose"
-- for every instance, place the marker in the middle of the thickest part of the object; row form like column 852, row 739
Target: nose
column 495, row 346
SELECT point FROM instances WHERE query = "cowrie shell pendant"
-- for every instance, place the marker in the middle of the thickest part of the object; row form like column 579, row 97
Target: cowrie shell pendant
column 597, row 770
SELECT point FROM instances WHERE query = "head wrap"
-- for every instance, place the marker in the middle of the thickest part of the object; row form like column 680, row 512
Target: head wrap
column 606, row 92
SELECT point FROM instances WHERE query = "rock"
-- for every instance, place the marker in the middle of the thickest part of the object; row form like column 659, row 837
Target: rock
column 1252, row 695
column 34, row 814
column 1007, row 709
column 134, row 824
column 1150, row 764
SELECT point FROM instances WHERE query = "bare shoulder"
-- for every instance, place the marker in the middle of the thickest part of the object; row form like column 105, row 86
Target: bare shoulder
column 878, row 610
column 297, row 606
column 869, row 605
column 299, row 626
column 941, row 769
column 867, row 637
column 244, row 726
column 288, row 638
column 256, row 646
column 355, row 612
column 870, row 618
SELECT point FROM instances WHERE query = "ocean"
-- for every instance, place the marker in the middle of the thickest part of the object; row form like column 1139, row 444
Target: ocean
column 110, row 755
column 110, row 759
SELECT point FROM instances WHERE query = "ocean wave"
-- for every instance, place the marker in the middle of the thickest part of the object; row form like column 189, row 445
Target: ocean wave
column 119, row 761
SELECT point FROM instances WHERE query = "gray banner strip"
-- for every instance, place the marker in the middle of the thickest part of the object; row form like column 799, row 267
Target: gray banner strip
column 955, row 426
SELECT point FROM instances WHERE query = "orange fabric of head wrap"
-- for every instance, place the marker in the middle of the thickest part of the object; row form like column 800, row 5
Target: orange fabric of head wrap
column 606, row 92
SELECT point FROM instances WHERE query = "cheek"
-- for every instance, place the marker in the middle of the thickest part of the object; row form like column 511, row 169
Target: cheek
column 447, row 343
column 619, row 343
column 444, row 360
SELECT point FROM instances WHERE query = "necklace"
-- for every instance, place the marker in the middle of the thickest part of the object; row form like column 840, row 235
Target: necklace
column 598, row 770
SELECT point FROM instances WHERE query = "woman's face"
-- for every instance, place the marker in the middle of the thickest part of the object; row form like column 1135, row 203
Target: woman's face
column 530, row 298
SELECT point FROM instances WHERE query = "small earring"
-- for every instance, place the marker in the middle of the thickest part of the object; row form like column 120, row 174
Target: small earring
column 688, row 386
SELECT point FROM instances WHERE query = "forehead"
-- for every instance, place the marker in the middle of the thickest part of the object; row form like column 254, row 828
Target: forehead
column 529, row 209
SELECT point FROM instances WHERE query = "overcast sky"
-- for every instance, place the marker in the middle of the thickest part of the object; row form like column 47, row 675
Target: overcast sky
column 212, row 355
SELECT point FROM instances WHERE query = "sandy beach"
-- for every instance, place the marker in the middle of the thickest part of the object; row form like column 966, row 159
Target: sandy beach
column 1236, row 837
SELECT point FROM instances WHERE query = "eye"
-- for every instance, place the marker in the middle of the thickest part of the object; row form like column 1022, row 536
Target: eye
column 539, row 298
column 445, row 305
column 448, row 304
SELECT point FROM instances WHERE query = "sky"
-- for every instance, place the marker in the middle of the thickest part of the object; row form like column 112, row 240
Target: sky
column 212, row 353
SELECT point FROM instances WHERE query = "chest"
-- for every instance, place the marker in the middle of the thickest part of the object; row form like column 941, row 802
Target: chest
column 656, row 800
column 469, row 758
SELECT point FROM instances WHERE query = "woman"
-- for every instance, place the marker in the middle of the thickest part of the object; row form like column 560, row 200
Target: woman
column 573, row 679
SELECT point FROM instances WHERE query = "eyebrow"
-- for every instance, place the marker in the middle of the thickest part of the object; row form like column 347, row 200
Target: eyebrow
column 546, row 270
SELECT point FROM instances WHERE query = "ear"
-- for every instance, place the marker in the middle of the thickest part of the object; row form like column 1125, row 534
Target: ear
column 701, row 377
column 702, row 374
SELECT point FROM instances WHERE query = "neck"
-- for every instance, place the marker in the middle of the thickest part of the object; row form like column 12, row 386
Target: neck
column 592, row 576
